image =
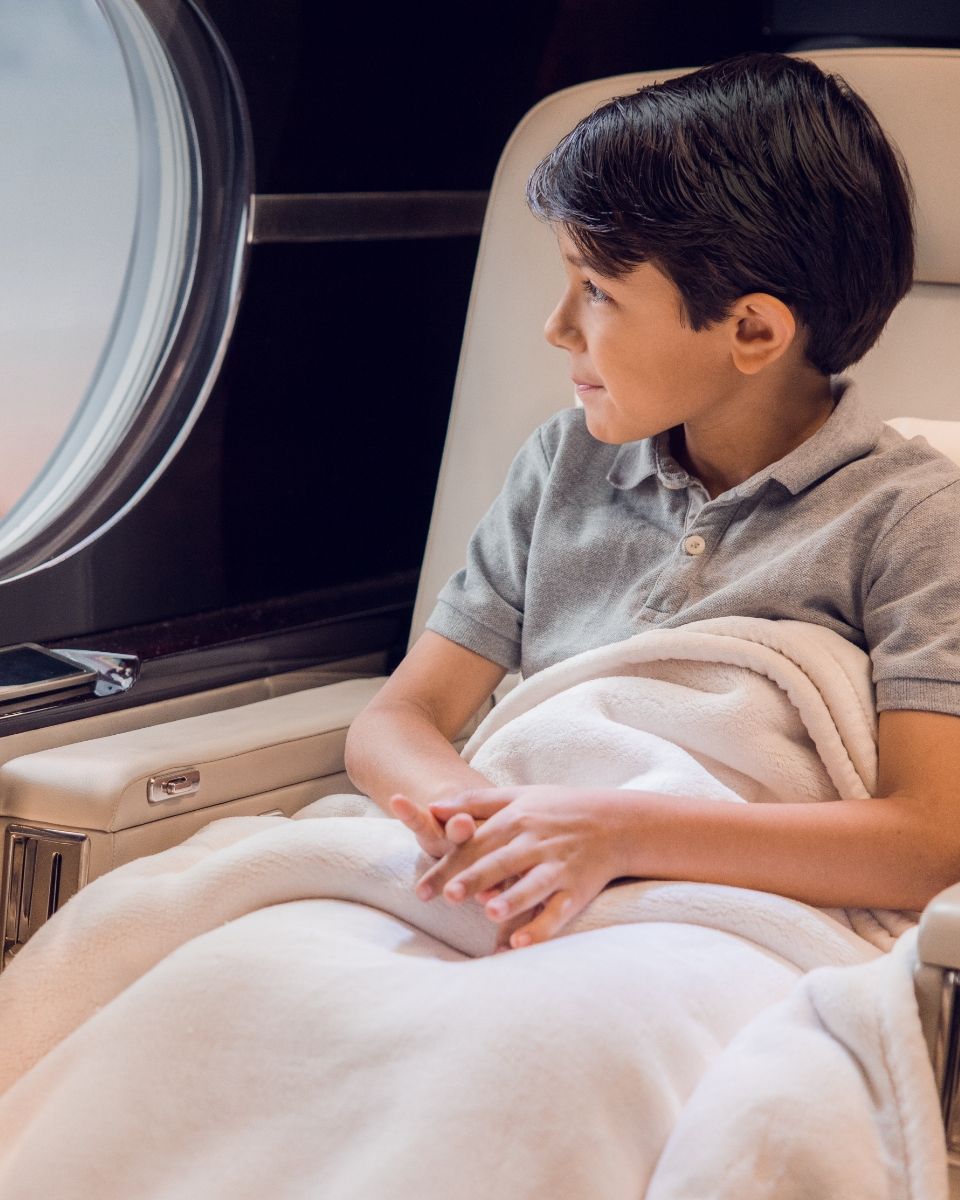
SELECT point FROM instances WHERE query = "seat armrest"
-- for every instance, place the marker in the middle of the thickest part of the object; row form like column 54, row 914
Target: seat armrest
column 935, row 984
column 938, row 942
column 113, row 783
column 72, row 812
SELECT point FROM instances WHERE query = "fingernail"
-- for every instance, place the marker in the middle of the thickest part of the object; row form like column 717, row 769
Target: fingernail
column 521, row 939
column 424, row 891
column 455, row 891
column 496, row 908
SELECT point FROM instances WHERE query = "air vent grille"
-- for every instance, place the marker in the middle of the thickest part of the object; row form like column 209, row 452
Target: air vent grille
column 42, row 869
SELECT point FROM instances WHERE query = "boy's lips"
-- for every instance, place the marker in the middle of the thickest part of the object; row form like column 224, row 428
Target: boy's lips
column 586, row 385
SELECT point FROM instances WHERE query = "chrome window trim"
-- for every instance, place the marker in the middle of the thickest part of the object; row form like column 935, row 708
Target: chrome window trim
column 160, row 267
column 202, row 300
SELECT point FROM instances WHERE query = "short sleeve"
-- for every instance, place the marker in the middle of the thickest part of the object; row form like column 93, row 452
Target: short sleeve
column 481, row 607
column 912, row 608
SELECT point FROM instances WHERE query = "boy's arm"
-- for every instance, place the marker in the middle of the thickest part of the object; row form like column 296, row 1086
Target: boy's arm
column 401, row 741
column 895, row 851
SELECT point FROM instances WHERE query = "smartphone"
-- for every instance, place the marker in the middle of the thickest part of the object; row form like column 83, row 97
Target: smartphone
column 29, row 670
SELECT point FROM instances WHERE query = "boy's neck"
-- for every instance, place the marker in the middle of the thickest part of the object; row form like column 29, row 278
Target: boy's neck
column 756, row 428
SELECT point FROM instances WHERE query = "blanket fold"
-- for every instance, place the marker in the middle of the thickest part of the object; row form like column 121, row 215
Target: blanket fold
column 735, row 708
column 275, row 1005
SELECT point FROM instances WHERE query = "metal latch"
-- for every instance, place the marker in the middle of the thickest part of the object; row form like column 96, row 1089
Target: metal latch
column 171, row 785
column 946, row 1062
column 42, row 869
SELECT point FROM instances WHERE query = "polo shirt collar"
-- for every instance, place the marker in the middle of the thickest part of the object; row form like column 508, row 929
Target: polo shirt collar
column 850, row 432
column 637, row 461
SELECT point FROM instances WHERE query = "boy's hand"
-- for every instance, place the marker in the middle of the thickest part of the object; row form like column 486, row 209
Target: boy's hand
column 551, row 850
column 435, row 838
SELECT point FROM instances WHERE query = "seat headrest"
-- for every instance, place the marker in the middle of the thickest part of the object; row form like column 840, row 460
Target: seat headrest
column 942, row 435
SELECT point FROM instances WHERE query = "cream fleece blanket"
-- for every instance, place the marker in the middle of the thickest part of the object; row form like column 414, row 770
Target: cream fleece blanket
column 267, row 1009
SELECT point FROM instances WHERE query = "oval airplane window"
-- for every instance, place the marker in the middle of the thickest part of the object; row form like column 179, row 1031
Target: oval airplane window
column 124, row 236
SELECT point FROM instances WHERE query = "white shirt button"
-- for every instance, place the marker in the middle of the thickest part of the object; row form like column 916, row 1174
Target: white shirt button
column 694, row 544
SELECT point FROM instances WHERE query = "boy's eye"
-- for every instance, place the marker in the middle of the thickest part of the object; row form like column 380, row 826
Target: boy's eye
column 594, row 292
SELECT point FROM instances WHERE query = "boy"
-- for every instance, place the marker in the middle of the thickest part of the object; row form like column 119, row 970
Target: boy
column 731, row 239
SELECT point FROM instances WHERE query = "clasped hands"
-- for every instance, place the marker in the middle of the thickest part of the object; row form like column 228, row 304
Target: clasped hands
column 533, row 856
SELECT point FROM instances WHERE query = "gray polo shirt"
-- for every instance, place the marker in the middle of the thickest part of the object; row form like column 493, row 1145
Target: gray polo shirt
column 856, row 529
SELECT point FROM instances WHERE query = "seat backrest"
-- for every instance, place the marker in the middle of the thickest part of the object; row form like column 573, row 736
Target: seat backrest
column 510, row 380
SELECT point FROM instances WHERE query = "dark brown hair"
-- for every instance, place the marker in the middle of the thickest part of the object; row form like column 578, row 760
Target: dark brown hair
column 757, row 174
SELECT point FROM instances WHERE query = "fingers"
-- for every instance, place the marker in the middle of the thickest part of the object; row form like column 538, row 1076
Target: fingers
column 482, row 803
column 532, row 889
column 558, row 911
column 459, row 828
column 404, row 809
column 486, row 894
column 473, row 868
column 508, row 928
column 421, row 823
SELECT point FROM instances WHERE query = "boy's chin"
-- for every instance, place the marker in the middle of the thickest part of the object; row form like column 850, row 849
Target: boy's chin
column 608, row 432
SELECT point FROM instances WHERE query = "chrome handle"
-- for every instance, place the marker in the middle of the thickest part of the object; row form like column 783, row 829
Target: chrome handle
column 171, row 785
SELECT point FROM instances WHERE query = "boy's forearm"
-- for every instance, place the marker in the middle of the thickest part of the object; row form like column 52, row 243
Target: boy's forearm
column 398, row 749
column 851, row 853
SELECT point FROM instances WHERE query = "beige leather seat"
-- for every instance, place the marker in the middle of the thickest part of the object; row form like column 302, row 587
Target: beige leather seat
column 288, row 747
column 510, row 380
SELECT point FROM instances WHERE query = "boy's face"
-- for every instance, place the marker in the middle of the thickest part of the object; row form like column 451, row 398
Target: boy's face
column 637, row 368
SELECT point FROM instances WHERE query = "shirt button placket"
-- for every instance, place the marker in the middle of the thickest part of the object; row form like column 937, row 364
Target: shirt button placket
column 694, row 544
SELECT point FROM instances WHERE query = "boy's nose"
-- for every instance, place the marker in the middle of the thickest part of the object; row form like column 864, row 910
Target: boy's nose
column 559, row 330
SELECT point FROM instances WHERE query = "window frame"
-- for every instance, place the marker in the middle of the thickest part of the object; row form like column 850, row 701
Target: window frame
column 215, row 160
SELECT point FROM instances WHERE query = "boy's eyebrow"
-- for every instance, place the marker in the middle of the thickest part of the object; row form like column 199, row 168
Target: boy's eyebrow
column 575, row 260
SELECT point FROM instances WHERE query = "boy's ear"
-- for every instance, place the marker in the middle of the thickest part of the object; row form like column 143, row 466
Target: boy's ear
column 762, row 329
